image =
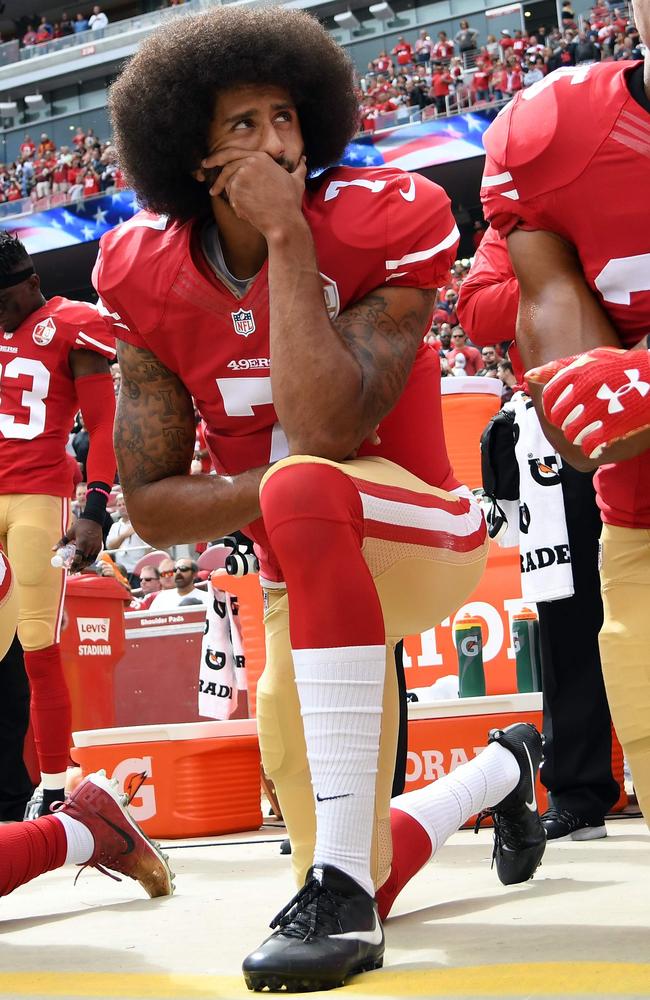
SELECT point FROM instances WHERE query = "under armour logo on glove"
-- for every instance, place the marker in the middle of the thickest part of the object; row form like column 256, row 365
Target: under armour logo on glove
column 613, row 395
column 597, row 398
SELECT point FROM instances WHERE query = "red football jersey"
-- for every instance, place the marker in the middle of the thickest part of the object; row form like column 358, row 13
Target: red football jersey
column 371, row 227
column 489, row 298
column 38, row 400
column 570, row 155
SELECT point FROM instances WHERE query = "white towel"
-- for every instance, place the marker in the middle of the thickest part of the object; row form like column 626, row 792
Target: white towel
column 546, row 573
column 222, row 673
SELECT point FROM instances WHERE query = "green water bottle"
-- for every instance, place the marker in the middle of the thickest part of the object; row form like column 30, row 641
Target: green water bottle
column 525, row 639
column 468, row 637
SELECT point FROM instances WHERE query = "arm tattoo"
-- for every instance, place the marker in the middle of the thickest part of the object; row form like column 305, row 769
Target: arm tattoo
column 154, row 424
column 383, row 332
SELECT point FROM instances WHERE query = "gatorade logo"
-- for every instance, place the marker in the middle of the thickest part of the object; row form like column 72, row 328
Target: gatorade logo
column 469, row 646
column 143, row 804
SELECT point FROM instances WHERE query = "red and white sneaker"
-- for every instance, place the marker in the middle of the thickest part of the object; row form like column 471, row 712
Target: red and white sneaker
column 120, row 844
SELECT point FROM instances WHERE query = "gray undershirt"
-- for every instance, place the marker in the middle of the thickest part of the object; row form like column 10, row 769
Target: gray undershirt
column 211, row 247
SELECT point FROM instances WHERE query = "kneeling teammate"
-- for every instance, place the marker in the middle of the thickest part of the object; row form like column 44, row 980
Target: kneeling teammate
column 293, row 312
column 92, row 829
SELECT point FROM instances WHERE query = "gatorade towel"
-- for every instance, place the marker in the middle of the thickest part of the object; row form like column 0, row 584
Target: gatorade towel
column 222, row 673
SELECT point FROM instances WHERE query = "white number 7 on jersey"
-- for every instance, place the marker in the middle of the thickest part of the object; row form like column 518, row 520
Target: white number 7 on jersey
column 241, row 395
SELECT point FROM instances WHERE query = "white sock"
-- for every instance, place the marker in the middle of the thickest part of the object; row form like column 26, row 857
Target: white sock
column 53, row 781
column 81, row 842
column 442, row 807
column 341, row 691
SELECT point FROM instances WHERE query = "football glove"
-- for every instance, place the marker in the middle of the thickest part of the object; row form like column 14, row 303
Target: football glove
column 597, row 398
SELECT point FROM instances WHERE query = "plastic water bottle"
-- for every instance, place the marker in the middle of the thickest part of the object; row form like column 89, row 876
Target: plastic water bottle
column 468, row 637
column 63, row 557
column 525, row 638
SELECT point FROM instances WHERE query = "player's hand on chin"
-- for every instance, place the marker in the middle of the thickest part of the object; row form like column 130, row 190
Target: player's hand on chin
column 88, row 540
column 259, row 190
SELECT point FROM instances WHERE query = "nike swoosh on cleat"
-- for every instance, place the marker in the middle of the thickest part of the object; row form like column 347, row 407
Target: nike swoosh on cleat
column 531, row 805
column 328, row 798
column 126, row 837
column 369, row 937
column 409, row 194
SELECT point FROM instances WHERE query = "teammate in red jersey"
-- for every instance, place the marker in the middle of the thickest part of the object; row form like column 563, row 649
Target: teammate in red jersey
column 294, row 311
column 53, row 360
column 577, row 768
column 584, row 277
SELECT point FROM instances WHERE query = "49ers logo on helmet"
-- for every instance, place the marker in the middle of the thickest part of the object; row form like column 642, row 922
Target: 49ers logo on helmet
column 44, row 331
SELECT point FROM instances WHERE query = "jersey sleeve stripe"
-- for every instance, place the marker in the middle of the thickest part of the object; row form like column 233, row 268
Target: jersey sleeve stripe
column 103, row 310
column 496, row 179
column 420, row 255
column 83, row 339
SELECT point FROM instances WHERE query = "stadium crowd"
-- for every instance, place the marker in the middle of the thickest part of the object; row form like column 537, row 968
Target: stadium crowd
column 446, row 74
column 88, row 166
column 35, row 30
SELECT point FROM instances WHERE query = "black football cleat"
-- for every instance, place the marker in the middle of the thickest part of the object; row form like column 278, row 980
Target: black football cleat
column 329, row 931
column 519, row 836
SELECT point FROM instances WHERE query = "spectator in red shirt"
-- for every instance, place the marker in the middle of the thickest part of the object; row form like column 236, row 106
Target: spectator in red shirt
column 44, row 32
column 519, row 43
column 481, row 83
column 514, row 75
column 441, row 81
column 506, row 43
column 403, row 52
column 14, row 193
column 30, row 37
column 443, row 49
column 79, row 138
column 473, row 359
column 499, row 81
column 368, row 113
column 27, row 147
column 445, row 311
column 383, row 63
column 90, row 183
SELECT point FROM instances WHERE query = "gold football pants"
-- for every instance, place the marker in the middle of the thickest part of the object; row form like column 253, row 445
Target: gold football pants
column 418, row 586
column 625, row 646
column 30, row 524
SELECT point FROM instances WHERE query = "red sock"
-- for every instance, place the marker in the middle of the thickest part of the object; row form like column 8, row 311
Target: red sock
column 314, row 519
column 411, row 850
column 29, row 849
column 50, row 706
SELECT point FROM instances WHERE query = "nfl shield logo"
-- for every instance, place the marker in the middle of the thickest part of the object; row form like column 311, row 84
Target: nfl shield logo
column 44, row 331
column 243, row 322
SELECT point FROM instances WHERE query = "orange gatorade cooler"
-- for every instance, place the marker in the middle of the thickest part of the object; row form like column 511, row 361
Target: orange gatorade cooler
column 203, row 778
column 92, row 643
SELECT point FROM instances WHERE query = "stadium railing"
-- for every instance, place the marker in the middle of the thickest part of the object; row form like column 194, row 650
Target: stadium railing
column 11, row 52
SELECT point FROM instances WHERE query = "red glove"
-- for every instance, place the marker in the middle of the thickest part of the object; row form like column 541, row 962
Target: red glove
column 597, row 398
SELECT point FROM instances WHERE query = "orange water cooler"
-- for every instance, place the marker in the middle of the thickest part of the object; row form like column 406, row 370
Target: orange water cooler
column 92, row 643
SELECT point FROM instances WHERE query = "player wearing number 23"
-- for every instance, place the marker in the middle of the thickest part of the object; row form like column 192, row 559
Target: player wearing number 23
column 54, row 359
column 567, row 181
